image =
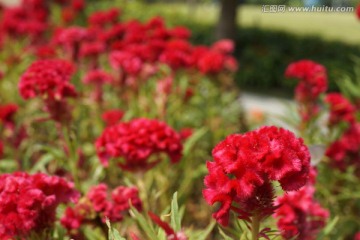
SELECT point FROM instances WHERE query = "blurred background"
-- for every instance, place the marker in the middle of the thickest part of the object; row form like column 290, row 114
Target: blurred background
column 265, row 42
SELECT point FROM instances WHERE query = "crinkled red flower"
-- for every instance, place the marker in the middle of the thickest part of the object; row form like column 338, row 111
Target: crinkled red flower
column 217, row 58
column 97, row 77
column 341, row 109
column 112, row 117
column 176, row 54
column 299, row 214
column 102, row 18
column 28, row 202
column 126, row 61
column 7, row 113
column 312, row 76
column 244, row 164
column 225, row 46
column 137, row 141
column 27, row 19
column 92, row 49
column 98, row 204
column 357, row 235
column 1, row 149
column 49, row 79
column 346, row 150
column 357, row 11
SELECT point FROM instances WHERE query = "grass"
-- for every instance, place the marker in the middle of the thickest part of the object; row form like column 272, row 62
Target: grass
column 342, row 27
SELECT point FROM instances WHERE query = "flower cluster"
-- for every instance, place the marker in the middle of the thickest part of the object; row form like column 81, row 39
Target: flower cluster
column 136, row 141
column 1, row 149
column 299, row 214
column 340, row 109
column 50, row 80
column 28, row 19
column 244, row 166
column 7, row 113
column 28, row 202
column 112, row 117
column 346, row 150
column 313, row 82
column 98, row 205
column 357, row 11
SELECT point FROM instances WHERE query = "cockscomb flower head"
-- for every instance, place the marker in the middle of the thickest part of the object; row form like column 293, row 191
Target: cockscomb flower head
column 1, row 149
column 312, row 76
column 100, row 203
column 112, row 117
column 103, row 18
column 341, row 109
column 28, row 202
column 244, row 166
column 346, row 150
column 299, row 214
column 49, row 79
column 7, row 113
column 357, row 11
column 137, row 141
column 97, row 77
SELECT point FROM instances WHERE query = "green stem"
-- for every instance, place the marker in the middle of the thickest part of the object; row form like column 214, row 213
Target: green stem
column 73, row 158
column 255, row 226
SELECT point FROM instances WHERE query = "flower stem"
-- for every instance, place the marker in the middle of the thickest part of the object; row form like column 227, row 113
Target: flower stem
column 255, row 226
column 73, row 158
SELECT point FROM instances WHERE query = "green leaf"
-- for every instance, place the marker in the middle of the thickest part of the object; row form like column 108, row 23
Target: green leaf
column 175, row 216
column 40, row 166
column 202, row 235
column 226, row 237
column 330, row 226
column 113, row 233
column 145, row 226
column 8, row 165
column 193, row 139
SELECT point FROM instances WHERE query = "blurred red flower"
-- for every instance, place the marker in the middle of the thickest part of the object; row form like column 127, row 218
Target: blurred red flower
column 341, row 109
column 28, row 202
column 299, row 214
column 49, row 79
column 136, row 141
column 112, row 117
column 98, row 204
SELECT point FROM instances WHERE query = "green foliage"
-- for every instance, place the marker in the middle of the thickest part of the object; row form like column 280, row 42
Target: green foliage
column 113, row 233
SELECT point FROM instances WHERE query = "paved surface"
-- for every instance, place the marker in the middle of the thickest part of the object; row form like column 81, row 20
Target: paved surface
column 266, row 104
column 272, row 108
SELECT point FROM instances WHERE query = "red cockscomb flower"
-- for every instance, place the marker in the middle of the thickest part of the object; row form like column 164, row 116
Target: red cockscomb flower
column 126, row 61
column 102, row 18
column 312, row 76
column 225, row 46
column 28, row 202
column 136, row 141
column 98, row 204
column 313, row 82
column 346, row 150
column 239, row 178
column 112, row 117
column 1, row 149
column 97, row 77
column 299, row 214
column 49, row 79
column 341, row 109
column 357, row 11
column 7, row 113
